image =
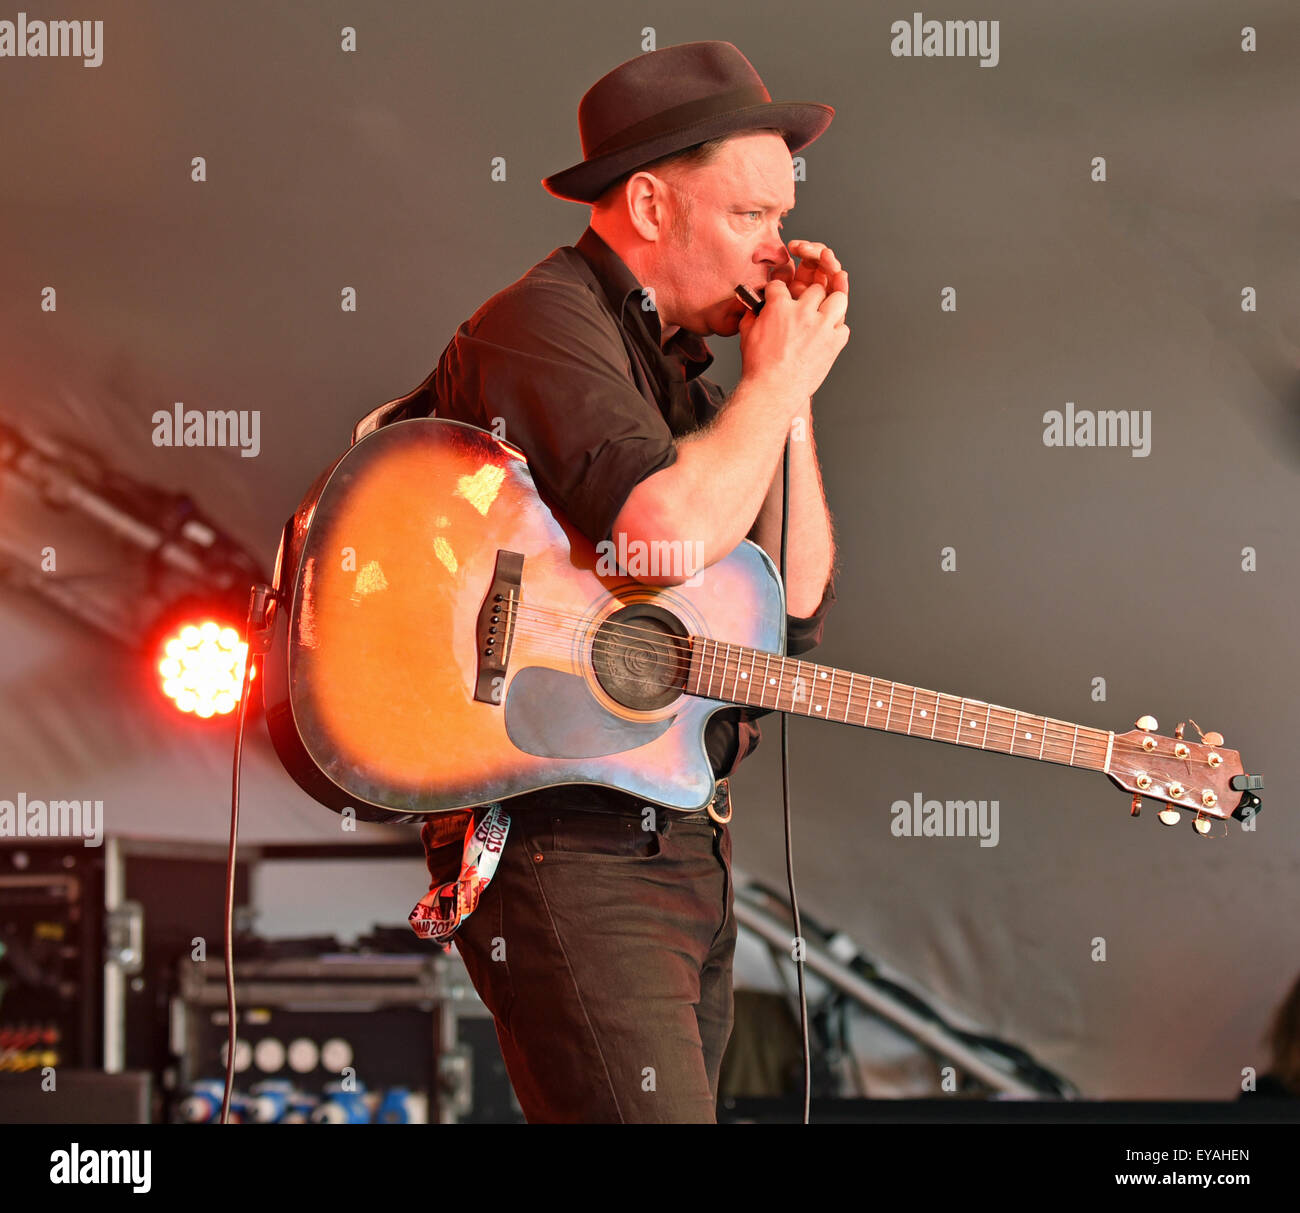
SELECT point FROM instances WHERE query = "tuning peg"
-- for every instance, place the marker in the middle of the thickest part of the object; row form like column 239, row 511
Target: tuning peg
column 1137, row 807
column 1202, row 824
column 1169, row 815
column 1210, row 739
column 1148, row 724
column 1178, row 732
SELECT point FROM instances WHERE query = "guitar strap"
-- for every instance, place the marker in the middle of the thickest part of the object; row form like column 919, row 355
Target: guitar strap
column 419, row 402
column 439, row 913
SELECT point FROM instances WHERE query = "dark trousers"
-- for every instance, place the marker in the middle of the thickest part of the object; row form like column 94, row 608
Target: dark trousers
column 604, row 952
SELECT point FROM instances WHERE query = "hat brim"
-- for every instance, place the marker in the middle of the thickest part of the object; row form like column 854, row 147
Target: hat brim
column 800, row 122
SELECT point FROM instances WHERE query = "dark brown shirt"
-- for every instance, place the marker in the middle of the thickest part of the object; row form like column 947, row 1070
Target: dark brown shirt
column 566, row 364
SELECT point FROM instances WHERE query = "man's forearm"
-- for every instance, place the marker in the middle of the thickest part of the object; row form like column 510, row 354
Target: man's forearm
column 810, row 545
column 712, row 493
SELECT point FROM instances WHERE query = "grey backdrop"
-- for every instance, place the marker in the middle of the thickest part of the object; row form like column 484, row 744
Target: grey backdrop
column 373, row 170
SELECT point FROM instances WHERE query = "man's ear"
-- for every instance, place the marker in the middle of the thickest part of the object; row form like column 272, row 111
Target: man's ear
column 648, row 205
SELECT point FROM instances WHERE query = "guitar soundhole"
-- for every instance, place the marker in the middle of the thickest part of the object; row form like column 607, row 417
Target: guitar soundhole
column 641, row 656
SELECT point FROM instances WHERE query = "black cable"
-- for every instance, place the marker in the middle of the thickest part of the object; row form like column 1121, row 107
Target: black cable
column 259, row 602
column 789, row 848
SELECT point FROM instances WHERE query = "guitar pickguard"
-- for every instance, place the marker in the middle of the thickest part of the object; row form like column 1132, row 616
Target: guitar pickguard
column 551, row 714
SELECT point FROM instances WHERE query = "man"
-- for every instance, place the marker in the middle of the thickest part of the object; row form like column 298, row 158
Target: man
column 603, row 944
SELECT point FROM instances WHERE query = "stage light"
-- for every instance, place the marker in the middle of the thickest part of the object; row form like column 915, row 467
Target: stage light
column 202, row 668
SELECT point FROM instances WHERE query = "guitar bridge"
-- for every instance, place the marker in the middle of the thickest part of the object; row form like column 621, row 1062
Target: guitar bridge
column 495, row 628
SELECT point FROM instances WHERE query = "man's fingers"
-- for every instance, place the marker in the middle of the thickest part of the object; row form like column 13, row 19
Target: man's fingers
column 811, row 250
column 810, row 289
column 808, row 248
column 810, row 272
column 818, row 266
column 830, row 298
column 805, row 275
column 835, row 305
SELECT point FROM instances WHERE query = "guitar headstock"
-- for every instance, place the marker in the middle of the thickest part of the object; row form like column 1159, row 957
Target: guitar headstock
column 1199, row 776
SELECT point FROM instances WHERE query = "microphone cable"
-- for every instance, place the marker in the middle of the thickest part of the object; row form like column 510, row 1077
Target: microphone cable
column 257, row 634
column 755, row 305
column 785, row 797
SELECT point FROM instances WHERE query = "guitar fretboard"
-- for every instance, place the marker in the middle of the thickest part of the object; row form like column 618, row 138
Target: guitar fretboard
column 785, row 684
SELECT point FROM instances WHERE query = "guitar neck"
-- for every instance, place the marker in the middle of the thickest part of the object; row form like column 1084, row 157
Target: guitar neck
column 756, row 679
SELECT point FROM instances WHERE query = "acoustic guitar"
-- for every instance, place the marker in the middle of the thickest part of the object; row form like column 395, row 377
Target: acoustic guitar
column 443, row 639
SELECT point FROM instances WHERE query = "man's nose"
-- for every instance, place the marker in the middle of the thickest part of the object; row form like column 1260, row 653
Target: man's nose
column 777, row 254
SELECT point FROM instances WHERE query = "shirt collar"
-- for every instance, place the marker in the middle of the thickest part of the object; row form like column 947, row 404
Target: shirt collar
column 625, row 293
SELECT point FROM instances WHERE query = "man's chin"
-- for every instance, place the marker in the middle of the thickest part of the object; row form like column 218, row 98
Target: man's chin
column 725, row 321
column 720, row 321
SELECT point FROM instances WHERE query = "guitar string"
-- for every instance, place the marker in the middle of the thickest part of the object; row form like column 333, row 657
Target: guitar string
column 541, row 628
column 939, row 713
column 1089, row 739
column 678, row 666
column 1066, row 749
column 1001, row 732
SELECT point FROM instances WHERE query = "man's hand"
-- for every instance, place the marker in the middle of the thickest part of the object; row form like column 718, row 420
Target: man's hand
column 791, row 345
column 817, row 263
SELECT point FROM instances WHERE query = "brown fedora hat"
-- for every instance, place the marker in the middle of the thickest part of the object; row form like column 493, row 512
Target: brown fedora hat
column 668, row 100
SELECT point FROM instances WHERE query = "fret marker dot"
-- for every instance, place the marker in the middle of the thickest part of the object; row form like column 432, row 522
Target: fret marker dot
column 972, row 724
column 744, row 675
column 1029, row 737
column 922, row 711
column 880, row 703
column 771, row 682
column 819, row 707
column 823, row 674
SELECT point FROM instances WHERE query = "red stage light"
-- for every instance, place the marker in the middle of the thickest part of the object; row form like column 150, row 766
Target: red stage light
column 202, row 668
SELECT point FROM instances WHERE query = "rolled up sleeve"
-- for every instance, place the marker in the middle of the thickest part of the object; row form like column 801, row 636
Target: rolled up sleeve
column 804, row 635
column 547, row 370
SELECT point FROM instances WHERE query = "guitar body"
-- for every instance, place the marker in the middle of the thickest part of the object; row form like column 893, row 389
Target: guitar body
column 374, row 681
